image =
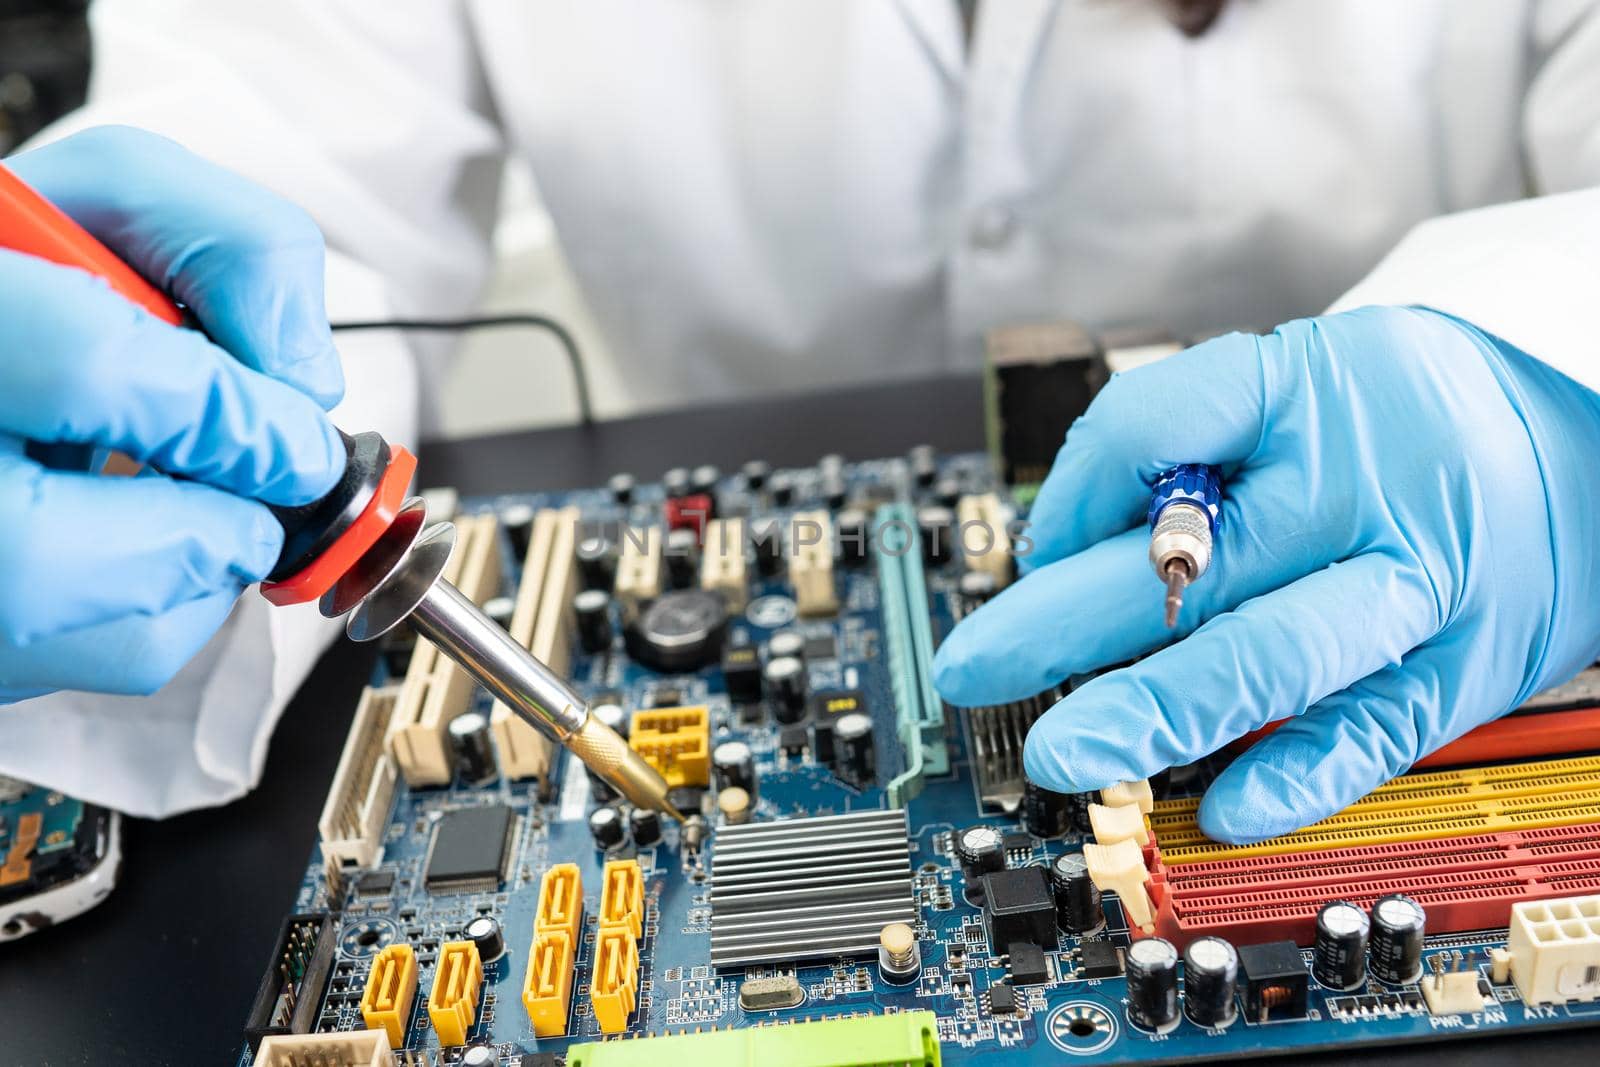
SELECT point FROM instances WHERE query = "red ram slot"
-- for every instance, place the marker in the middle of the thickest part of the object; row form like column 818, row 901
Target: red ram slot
column 1466, row 883
column 1512, row 737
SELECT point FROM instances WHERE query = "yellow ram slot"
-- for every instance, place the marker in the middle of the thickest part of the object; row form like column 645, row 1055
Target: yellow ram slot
column 453, row 1004
column 547, row 989
column 622, row 897
column 561, row 901
column 391, row 988
column 614, row 987
column 676, row 742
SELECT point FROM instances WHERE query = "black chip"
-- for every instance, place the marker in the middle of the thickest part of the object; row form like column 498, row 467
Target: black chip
column 792, row 739
column 1016, row 841
column 375, row 883
column 741, row 674
column 469, row 849
column 1101, row 959
column 960, row 981
column 666, row 698
column 1027, row 963
column 828, row 703
column 1018, row 906
column 821, row 646
column 1002, row 998
column 539, row 1059
column 686, row 798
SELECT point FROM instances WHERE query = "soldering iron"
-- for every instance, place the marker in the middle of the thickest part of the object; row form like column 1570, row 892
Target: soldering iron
column 365, row 549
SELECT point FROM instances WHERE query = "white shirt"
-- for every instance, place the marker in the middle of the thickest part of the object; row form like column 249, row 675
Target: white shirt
column 765, row 195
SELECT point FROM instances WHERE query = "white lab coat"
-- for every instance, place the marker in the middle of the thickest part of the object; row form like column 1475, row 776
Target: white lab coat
column 766, row 195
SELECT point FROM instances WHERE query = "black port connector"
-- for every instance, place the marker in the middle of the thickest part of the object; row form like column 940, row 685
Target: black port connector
column 289, row 999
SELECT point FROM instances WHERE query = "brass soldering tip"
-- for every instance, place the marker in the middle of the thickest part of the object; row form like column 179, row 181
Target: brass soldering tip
column 605, row 753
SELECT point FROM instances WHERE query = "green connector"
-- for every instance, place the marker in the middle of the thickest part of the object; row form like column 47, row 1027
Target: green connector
column 903, row 592
column 904, row 1039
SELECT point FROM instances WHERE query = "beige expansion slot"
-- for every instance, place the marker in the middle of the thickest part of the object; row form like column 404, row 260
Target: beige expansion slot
column 542, row 623
column 639, row 567
column 722, row 566
column 356, row 814
column 811, row 563
column 981, row 532
column 435, row 690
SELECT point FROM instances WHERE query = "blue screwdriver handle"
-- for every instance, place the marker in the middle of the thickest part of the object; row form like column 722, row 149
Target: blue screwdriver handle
column 1187, row 483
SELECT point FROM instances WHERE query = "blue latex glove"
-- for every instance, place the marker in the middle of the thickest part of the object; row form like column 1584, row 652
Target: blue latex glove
column 109, row 583
column 1409, row 546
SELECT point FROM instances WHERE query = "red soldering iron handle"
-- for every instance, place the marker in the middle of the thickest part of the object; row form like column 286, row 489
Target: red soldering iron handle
column 29, row 223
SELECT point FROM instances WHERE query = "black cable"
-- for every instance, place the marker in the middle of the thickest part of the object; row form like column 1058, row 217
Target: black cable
column 580, row 378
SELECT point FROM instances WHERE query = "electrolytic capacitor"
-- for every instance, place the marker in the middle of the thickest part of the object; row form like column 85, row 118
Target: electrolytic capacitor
column 766, row 537
column 850, row 527
column 1152, row 971
column 784, row 679
column 592, row 608
column 683, row 557
column 899, row 958
column 734, row 804
column 1339, row 953
column 1044, row 812
column 675, row 483
column 854, row 760
column 518, row 521
column 597, row 561
column 469, row 737
column 1395, row 950
column 786, row 643
column 782, row 486
column 735, row 764
column 704, row 478
column 756, row 472
column 612, row 715
column 937, row 528
column 831, row 487
column 947, row 491
column 924, row 464
column 644, row 826
column 1078, row 907
column 980, row 850
column 481, row 1056
column 485, row 932
column 621, row 485
column 1210, row 976
column 605, row 826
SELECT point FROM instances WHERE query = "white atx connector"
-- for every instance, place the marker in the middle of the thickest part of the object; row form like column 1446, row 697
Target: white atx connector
column 1555, row 949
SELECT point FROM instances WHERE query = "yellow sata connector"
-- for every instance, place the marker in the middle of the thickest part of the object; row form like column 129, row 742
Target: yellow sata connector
column 391, row 988
column 561, row 901
column 547, row 989
column 453, row 1004
column 614, row 987
column 622, row 897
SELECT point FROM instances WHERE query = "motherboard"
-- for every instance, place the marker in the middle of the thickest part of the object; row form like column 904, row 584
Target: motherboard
column 865, row 877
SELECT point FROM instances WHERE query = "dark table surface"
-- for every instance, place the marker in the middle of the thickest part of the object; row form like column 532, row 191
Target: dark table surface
column 163, row 971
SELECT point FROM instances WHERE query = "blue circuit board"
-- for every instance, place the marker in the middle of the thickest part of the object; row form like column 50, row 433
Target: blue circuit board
column 1066, row 1018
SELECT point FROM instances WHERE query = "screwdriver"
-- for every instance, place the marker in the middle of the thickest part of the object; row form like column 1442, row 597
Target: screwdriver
column 1185, row 506
column 365, row 550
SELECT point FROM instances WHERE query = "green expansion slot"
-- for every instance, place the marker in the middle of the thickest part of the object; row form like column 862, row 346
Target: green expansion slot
column 903, row 1039
column 903, row 590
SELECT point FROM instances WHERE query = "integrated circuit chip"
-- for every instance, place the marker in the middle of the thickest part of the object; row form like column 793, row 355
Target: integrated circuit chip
column 470, row 849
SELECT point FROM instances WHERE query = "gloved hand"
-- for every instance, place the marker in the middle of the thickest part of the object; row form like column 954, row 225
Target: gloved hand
column 1409, row 546
column 113, row 583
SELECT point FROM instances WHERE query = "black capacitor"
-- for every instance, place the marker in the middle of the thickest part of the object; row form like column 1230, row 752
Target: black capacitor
column 782, row 486
column 936, row 526
column 1151, row 967
column 597, row 561
column 1210, row 976
column 924, row 464
column 735, row 765
column 854, row 760
column 621, row 485
column 766, row 537
column 756, row 472
column 1395, row 950
column 704, row 478
column 1078, row 811
column 787, row 643
column 1044, row 813
column 980, row 850
column 485, row 932
column 947, row 491
column 645, row 827
column 850, row 528
column 977, row 588
column 682, row 554
column 784, row 678
column 1339, row 953
column 469, row 737
column 831, row 487
column 593, row 610
column 675, row 483
column 518, row 521
column 1078, row 908
column 605, row 826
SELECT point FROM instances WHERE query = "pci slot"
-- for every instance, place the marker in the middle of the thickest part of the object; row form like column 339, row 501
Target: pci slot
column 435, row 689
column 1465, row 883
column 903, row 592
column 356, row 813
column 542, row 623
column 903, row 1039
